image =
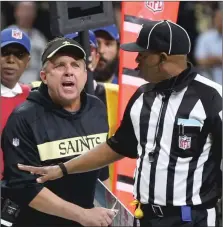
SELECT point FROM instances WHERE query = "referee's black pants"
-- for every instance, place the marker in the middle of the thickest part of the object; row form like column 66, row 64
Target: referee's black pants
column 172, row 217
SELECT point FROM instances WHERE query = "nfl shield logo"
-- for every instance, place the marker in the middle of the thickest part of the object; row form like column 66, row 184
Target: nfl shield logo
column 15, row 142
column 184, row 142
column 155, row 6
column 16, row 34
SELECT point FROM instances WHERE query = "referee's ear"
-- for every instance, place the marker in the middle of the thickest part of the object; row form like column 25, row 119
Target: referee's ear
column 163, row 57
column 162, row 61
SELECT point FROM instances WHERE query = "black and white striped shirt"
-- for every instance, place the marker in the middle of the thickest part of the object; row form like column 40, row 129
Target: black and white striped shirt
column 178, row 124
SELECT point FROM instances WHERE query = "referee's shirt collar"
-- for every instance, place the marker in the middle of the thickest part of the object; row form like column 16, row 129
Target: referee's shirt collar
column 177, row 83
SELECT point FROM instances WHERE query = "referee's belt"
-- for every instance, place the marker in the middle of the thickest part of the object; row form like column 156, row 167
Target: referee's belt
column 161, row 211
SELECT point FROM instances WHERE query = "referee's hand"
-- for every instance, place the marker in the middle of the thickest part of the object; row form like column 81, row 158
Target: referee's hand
column 47, row 173
column 97, row 216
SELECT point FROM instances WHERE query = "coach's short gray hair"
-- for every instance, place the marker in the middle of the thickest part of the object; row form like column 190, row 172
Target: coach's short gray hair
column 45, row 65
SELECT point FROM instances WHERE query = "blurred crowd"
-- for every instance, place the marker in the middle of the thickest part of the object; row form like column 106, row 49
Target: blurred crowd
column 202, row 20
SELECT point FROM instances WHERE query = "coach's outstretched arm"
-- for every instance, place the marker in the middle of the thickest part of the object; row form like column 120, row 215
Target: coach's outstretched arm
column 122, row 144
column 99, row 157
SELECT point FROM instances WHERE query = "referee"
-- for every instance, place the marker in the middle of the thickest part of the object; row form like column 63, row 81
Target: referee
column 173, row 126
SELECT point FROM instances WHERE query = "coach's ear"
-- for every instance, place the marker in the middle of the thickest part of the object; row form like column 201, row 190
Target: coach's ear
column 43, row 76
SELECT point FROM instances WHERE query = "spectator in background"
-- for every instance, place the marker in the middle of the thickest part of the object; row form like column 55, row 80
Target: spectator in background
column 94, row 58
column 25, row 15
column 204, row 15
column 208, row 52
column 93, row 62
column 15, row 55
column 195, row 17
column 108, row 48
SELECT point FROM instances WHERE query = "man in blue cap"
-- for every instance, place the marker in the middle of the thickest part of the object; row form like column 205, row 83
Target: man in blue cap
column 108, row 48
column 15, row 56
column 15, row 44
column 94, row 58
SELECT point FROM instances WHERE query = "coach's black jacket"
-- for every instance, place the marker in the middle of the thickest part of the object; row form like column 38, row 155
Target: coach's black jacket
column 40, row 133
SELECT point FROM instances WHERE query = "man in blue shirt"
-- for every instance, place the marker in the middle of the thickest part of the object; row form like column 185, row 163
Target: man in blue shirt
column 94, row 58
column 208, row 51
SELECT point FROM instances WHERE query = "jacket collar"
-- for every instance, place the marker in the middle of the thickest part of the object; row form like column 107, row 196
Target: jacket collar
column 178, row 82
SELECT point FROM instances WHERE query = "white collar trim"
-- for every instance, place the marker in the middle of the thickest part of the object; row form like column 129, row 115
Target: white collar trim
column 7, row 92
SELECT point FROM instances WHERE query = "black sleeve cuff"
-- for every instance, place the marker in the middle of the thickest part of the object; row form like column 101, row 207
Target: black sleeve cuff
column 104, row 173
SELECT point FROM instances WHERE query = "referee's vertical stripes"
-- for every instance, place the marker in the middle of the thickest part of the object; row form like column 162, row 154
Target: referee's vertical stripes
column 211, row 217
column 180, row 181
column 194, row 190
column 140, row 112
column 177, row 177
column 212, row 148
column 135, row 117
column 198, row 173
column 196, row 167
column 158, row 137
column 144, row 186
column 220, row 114
column 188, row 102
column 144, row 124
column 163, row 158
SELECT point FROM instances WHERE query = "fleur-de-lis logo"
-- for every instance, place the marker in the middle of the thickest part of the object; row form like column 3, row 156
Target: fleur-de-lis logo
column 15, row 142
column 66, row 42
